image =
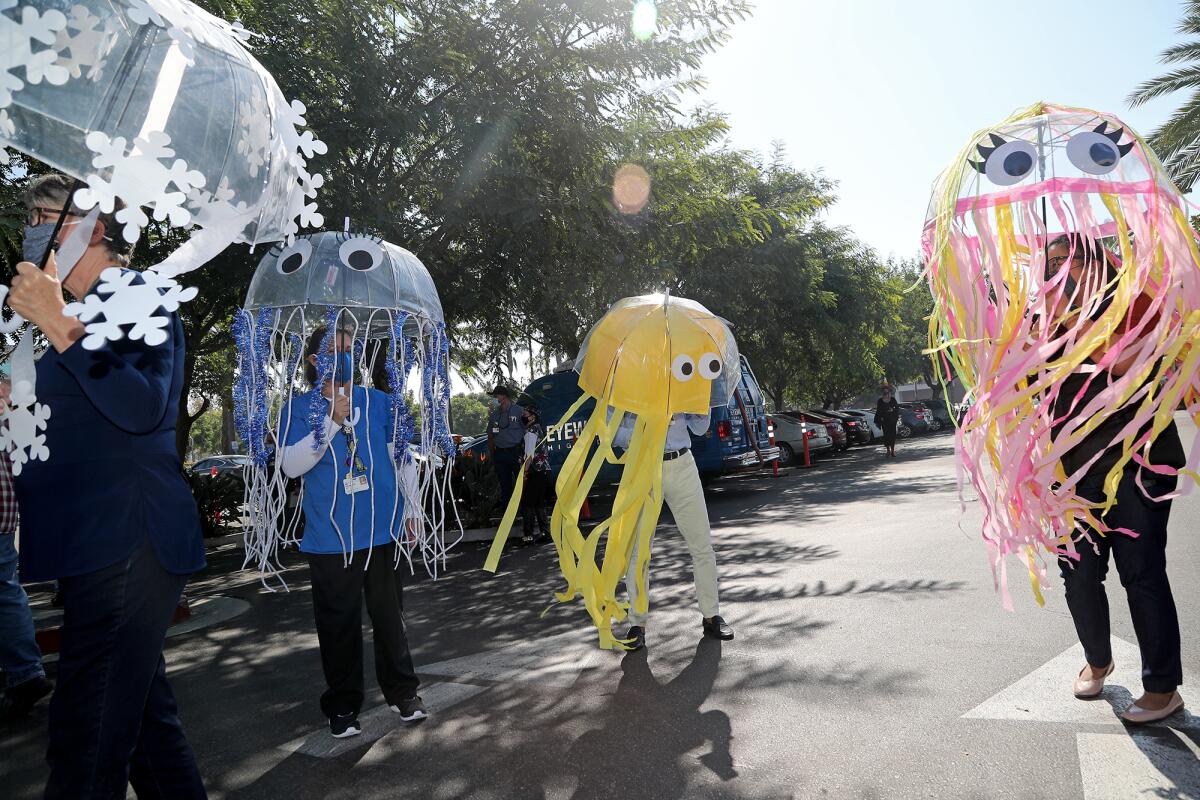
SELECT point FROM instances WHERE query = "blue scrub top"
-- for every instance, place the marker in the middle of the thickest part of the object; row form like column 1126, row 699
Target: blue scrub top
column 363, row 519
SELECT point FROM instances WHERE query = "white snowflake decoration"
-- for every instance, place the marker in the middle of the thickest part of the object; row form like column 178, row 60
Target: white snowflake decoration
column 255, row 138
column 7, row 129
column 88, row 45
column 20, row 35
column 186, row 24
column 22, row 433
column 216, row 209
column 139, row 178
column 127, row 303
column 291, row 119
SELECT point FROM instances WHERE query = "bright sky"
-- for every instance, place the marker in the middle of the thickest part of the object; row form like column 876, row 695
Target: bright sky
column 880, row 94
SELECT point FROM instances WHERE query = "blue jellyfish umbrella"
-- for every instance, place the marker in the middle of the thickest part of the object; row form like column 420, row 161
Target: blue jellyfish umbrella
column 383, row 298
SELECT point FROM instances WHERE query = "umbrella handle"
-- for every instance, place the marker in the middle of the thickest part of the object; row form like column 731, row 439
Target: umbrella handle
column 76, row 186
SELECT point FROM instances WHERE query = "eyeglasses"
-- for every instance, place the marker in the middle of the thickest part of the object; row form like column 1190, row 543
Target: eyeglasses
column 1057, row 262
column 40, row 215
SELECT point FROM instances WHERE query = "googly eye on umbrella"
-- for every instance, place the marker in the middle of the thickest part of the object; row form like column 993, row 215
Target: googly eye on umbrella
column 159, row 105
column 646, row 360
column 380, row 299
column 1057, row 247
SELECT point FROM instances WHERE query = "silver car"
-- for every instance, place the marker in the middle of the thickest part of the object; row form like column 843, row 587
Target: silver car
column 790, row 434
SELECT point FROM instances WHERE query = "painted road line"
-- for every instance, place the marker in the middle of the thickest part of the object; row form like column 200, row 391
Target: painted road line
column 1044, row 695
column 379, row 721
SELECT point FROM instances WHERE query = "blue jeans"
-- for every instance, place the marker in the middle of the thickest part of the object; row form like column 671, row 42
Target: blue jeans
column 20, row 658
column 113, row 719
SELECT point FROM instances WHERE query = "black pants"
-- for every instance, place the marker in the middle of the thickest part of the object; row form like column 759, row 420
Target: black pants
column 1142, row 566
column 113, row 719
column 337, row 591
column 507, row 463
column 889, row 433
column 533, row 502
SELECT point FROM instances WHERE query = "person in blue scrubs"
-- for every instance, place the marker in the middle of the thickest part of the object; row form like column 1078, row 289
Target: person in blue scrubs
column 354, row 513
column 109, row 516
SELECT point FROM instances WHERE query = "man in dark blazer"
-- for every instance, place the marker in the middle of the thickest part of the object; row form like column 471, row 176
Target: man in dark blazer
column 109, row 516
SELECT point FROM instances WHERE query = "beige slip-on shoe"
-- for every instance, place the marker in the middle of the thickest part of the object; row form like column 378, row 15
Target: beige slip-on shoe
column 1090, row 688
column 1136, row 715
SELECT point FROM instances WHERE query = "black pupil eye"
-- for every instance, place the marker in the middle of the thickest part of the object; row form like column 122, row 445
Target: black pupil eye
column 1018, row 163
column 686, row 368
column 360, row 260
column 291, row 263
column 1103, row 154
column 714, row 366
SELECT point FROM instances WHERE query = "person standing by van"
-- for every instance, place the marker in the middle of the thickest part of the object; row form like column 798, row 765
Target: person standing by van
column 505, row 433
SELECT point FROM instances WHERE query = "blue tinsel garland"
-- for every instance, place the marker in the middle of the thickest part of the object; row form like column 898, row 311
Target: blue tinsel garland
column 253, row 338
column 402, row 420
column 318, row 406
column 436, row 386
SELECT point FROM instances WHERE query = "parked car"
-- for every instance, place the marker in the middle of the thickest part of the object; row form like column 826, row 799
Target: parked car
column 868, row 421
column 856, row 429
column 926, row 413
column 837, row 432
column 790, row 434
column 941, row 412
column 913, row 420
column 231, row 464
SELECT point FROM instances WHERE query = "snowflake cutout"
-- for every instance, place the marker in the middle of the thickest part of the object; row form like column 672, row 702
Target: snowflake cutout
column 187, row 25
column 216, row 209
column 7, row 129
column 20, row 35
column 88, row 46
column 22, row 434
column 297, row 143
column 128, row 303
column 256, row 132
column 139, row 178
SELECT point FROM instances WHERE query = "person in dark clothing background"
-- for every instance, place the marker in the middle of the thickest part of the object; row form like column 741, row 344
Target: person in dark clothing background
column 505, row 433
column 887, row 417
column 537, row 477
column 1141, row 560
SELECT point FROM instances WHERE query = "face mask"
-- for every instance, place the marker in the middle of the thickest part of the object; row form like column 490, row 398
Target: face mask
column 37, row 239
column 67, row 253
column 344, row 368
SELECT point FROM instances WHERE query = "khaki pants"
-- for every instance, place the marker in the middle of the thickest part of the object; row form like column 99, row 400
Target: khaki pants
column 684, row 495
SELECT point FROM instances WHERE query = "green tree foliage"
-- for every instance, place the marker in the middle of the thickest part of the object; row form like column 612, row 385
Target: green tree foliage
column 1175, row 141
column 205, row 437
column 469, row 414
column 485, row 135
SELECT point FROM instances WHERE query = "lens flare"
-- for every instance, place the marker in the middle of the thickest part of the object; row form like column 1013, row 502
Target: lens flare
column 631, row 189
column 645, row 19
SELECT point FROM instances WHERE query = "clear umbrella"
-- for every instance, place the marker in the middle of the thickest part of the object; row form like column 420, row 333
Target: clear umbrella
column 157, row 103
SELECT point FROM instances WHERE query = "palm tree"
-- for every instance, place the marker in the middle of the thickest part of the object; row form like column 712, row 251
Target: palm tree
column 1177, row 142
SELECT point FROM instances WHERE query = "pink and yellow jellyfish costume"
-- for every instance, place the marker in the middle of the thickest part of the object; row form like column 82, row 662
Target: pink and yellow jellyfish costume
column 1003, row 324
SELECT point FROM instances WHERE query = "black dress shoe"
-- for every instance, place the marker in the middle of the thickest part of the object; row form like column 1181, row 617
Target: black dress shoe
column 19, row 700
column 636, row 638
column 716, row 628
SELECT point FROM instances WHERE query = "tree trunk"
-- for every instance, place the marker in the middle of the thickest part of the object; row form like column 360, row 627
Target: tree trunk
column 228, row 432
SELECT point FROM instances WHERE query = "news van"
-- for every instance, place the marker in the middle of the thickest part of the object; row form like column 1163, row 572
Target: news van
column 738, row 437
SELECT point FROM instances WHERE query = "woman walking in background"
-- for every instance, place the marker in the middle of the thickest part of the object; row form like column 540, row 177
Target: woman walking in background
column 887, row 416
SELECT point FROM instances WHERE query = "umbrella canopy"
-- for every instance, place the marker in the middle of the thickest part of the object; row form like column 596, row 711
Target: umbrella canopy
column 362, row 275
column 656, row 353
column 159, row 104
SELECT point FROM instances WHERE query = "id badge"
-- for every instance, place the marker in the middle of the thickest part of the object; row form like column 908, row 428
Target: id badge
column 355, row 484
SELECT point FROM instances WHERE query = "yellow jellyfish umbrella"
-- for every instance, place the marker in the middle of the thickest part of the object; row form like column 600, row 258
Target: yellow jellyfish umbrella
column 649, row 357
